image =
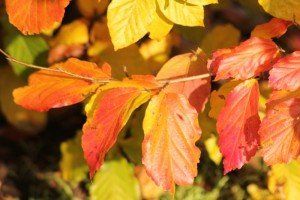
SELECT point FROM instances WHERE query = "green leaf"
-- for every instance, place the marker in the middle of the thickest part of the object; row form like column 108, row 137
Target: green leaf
column 28, row 49
column 115, row 181
column 72, row 164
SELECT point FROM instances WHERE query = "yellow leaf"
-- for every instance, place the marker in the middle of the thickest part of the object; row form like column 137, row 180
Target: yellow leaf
column 211, row 145
column 182, row 13
column 72, row 163
column 221, row 36
column 201, row 2
column 156, row 53
column 284, row 180
column 160, row 26
column 25, row 120
column 284, row 9
column 128, row 20
column 257, row 193
column 217, row 98
column 129, row 57
column 73, row 33
column 148, row 188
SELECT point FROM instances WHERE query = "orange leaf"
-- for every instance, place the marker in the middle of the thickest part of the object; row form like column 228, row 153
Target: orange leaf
column 280, row 129
column 171, row 130
column 49, row 89
column 34, row 16
column 238, row 125
column 247, row 60
column 285, row 74
column 274, row 28
column 108, row 114
column 186, row 65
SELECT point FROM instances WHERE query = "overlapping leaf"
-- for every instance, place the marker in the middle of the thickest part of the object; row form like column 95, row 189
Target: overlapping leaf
column 171, row 130
column 285, row 74
column 280, row 130
column 107, row 113
column 186, row 65
column 288, row 10
column 54, row 89
column 34, row 16
column 274, row 28
column 238, row 125
column 128, row 20
column 182, row 13
column 247, row 60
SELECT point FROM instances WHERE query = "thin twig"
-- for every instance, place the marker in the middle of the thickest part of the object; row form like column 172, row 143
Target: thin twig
column 184, row 79
column 163, row 82
column 58, row 69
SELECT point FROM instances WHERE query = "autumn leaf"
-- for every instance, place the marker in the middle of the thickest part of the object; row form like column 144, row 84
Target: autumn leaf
column 217, row 98
column 54, row 89
column 280, row 129
column 171, row 130
column 160, row 26
column 149, row 189
column 34, row 16
column 287, row 10
column 182, row 13
column 238, row 125
column 72, row 163
column 186, row 65
column 221, row 36
column 128, row 20
column 247, row 60
column 284, row 180
column 107, row 113
column 115, row 181
column 274, row 28
column 285, row 74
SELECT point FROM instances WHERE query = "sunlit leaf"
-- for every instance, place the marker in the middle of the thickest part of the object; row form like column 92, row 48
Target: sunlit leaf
column 51, row 89
column 115, row 181
column 171, row 130
column 34, row 16
column 238, row 125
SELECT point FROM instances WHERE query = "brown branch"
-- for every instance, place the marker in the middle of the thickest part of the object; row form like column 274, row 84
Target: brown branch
column 163, row 82
column 58, row 69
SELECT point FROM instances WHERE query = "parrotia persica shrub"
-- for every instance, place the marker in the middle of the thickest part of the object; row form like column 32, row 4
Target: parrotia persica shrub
column 178, row 93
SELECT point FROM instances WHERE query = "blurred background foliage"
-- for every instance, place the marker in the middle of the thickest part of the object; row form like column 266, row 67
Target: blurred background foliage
column 40, row 153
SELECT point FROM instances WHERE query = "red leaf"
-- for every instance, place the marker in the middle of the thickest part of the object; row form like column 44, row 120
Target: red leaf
column 48, row 89
column 171, row 130
column 187, row 65
column 238, row 125
column 274, row 28
column 280, row 129
column 285, row 74
column 34, row 16
column 108, row 114
column 245, row 61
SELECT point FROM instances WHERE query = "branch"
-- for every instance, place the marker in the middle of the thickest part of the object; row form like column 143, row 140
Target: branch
column 163, row 82
column 184, row 79
column 58, row 69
